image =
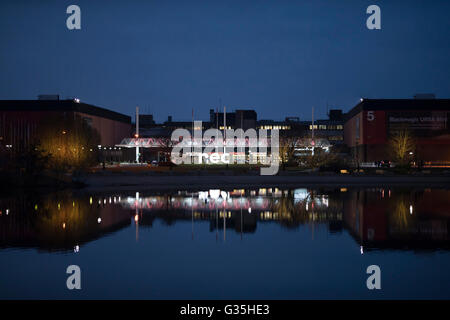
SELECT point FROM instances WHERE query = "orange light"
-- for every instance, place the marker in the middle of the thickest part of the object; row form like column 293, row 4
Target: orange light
column 136, row 218
column 136, row 135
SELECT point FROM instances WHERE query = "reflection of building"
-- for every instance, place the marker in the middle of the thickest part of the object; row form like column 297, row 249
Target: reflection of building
column 385, row 218
column 58, row 222
column 19, row 120
column 376, row 218
column 370, row 123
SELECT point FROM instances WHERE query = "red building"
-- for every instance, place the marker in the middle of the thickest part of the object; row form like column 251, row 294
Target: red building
column 19, row 120
column 371, row 122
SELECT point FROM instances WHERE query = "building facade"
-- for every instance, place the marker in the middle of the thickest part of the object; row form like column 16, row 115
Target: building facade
column 19, row 120
column 371, row 123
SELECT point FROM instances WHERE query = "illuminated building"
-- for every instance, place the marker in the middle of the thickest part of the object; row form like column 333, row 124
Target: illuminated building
column 372, row 121
column 19, row 120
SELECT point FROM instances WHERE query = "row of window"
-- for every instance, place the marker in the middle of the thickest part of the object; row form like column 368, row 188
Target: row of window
column 275, row 127
column 327, row 127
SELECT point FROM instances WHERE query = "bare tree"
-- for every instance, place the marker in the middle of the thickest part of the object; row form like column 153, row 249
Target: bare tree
column 287, row 150
column 401, row 143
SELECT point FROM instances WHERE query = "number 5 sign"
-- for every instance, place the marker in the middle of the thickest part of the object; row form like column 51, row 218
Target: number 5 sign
column 370, row 116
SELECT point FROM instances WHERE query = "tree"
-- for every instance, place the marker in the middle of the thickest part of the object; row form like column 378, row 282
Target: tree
column 401, row 144
column 166, row 146
column 287, row 150
column 70, row 141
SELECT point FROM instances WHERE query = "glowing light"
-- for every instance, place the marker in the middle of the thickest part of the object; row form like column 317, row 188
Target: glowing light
column 136, row 218
column 361, row 249
column 410, row 209
column 99, row 220
column 7, row 211
column 90, row 200
column 76, row 249
column 249, row 209
column 64, row 225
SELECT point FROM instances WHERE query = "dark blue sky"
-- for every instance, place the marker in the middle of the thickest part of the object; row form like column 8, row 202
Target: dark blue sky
column 279, row 57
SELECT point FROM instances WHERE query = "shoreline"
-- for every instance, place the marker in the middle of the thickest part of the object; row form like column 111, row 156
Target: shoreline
column 110, row 181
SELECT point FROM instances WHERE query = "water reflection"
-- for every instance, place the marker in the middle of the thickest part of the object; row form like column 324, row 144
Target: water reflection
column 377, row 218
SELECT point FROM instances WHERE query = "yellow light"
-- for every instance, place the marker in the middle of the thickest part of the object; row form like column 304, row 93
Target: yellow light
column 136, row 218
column 64, row 225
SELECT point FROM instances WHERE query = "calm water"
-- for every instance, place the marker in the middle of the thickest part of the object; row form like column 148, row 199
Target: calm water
column 263, row 243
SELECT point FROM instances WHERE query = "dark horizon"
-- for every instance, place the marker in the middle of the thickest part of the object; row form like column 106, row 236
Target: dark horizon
column 280, row 59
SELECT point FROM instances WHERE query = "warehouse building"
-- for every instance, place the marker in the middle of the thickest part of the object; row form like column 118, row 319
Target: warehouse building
column 19, row 120
column 371, row 123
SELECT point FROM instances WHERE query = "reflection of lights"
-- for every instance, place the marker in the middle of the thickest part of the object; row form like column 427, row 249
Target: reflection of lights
column 110, row 200
column 249, row 209
column 214, row 193
column 136, row 218
column 99, row 220
column 7, row 211
column 361, row 249
column 300, row 194
column 104, row 201
column 76, row 249
column 410, row 209
column 90, row 200
column 59, row 206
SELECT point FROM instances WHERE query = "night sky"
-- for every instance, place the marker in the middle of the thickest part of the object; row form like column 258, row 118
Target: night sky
column 279, row 57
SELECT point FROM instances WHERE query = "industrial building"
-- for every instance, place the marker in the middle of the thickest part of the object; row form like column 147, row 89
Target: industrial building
column 371, row 123
column 19, row 120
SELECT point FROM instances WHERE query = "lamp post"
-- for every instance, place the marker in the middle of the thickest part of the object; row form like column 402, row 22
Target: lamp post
column 137, row 135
